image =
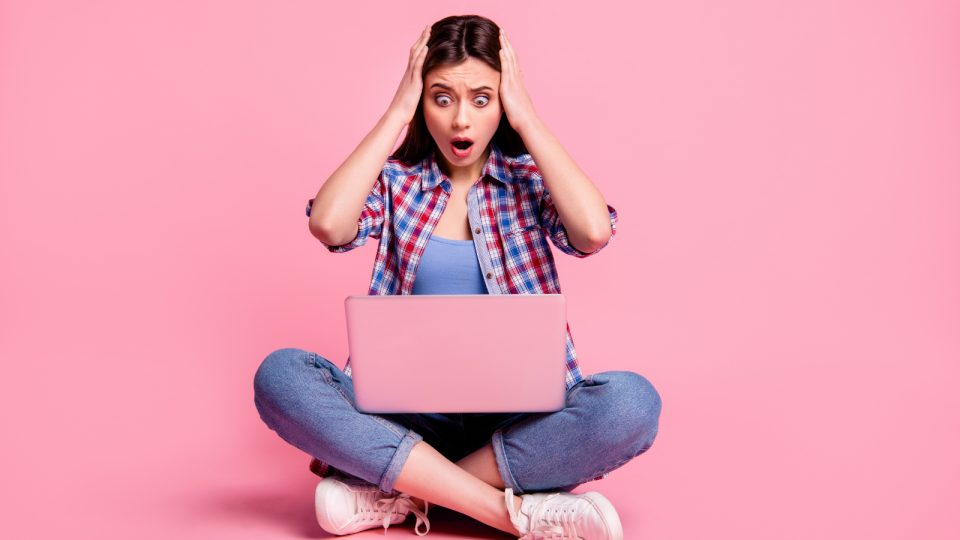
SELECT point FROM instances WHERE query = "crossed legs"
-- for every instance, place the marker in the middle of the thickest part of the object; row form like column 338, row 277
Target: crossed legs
column 461, row 487
column 610, row 418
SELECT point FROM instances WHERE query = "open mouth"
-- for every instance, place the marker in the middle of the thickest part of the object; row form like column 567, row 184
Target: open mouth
column 462, row 146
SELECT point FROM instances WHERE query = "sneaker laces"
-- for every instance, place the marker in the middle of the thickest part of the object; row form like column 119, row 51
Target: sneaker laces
column 555, row 523
column 394, row 505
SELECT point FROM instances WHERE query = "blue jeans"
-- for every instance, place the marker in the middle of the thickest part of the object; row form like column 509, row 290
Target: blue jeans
column 609, row 419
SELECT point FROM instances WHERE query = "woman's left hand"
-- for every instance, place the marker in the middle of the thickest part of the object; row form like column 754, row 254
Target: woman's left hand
column 513, row 93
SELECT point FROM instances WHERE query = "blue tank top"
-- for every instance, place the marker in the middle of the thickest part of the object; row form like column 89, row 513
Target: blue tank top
column 449, row 267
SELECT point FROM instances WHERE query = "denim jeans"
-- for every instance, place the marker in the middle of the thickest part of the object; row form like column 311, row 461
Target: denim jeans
column 609, row 419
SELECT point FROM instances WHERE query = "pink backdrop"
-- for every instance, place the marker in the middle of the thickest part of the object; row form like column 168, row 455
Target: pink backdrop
column 786, row 269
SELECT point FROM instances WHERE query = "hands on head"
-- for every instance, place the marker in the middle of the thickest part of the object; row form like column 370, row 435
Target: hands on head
column 513, row 94
column 405, row 102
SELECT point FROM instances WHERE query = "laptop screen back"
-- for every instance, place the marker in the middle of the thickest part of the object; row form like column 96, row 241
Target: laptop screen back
column 457, row 353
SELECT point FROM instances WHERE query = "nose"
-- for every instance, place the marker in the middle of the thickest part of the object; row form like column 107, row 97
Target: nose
column 462, row 118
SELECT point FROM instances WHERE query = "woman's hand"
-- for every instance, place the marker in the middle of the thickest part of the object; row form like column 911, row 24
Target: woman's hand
column 580, row 206
column 342, row 198
column 404, row 104
column 513, row 93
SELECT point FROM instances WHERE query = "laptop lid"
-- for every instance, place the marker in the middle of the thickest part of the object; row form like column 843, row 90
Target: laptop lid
column 458, row 353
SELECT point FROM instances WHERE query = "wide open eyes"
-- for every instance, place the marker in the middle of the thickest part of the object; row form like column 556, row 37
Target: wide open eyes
column 444, row 100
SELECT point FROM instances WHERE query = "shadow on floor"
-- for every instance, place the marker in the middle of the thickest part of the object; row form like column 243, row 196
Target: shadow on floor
column 291, row 511
column 445, row 522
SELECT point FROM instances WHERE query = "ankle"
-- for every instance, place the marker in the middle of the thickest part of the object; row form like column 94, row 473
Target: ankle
column 524, row 519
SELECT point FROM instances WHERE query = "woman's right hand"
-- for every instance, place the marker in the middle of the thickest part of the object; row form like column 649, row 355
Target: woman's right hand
column 341, row 199
column 405, row 102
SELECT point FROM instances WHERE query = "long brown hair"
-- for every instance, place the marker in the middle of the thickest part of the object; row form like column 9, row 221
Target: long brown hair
column 452, row 41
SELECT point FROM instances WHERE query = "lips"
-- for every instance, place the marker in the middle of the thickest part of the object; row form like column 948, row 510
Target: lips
column 461, row 146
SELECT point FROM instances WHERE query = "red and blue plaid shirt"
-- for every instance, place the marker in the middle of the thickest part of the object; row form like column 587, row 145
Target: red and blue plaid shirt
column 511, row 216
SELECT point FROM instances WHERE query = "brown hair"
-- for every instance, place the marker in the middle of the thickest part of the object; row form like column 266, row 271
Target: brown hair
column 452, row 41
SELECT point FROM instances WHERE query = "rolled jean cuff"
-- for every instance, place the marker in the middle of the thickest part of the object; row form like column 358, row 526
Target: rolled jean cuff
column 389, row 477
column 502, row 465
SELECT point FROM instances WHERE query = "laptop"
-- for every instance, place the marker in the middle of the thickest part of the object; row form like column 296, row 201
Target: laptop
column 458, row 353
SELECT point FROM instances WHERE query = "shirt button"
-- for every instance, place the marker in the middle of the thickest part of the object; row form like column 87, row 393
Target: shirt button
column 477, row 230
column 489, row 275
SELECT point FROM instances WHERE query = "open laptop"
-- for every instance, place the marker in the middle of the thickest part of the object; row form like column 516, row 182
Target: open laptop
column 458, row 353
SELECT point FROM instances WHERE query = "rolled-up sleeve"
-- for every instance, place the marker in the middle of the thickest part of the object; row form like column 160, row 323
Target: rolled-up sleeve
column 370, row 223
column 553, row 227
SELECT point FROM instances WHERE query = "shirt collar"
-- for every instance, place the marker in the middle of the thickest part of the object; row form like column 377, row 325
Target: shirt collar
column 431, row 176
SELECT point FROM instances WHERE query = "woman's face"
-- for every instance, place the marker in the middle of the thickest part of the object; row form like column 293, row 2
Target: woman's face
column 461, row 105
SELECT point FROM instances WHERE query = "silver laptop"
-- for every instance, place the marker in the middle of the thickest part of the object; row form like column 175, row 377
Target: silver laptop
column 458, row 353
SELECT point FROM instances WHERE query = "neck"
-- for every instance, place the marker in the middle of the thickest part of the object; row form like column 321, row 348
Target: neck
column 468, row 173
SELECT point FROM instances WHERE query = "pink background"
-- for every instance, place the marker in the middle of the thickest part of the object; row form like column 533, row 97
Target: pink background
column 787, row 176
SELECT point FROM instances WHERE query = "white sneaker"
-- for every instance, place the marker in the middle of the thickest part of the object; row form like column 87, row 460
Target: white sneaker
column 564, row 516
column 346, row 506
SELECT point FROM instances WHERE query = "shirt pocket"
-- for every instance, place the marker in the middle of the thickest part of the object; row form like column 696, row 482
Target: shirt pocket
column 526, row 245
column 522, row 230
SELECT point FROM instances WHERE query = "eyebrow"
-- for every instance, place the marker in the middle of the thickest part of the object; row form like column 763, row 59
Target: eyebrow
column 449, row 89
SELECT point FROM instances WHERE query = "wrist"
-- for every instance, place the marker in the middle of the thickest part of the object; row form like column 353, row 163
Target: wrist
column 528, row 126
column 394, row 120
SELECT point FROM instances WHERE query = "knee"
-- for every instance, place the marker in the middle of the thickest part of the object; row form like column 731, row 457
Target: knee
column 631, row 408
column 275, row 374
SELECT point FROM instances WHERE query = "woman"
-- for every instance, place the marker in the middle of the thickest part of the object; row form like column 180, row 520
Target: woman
column 463, row 207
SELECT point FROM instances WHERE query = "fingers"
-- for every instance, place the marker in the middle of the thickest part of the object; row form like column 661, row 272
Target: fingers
column 508, row 54
column 418, row 53
column 417, row 47
column 418, row 63
column 420, row 41
column 508, row 47
column 512, row 51
column 505, row 65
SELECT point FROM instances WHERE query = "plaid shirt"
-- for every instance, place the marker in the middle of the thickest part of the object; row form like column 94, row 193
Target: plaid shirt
column 511, row 215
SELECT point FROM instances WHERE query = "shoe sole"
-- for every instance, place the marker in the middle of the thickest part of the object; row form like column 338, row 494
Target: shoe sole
column 608, row 513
